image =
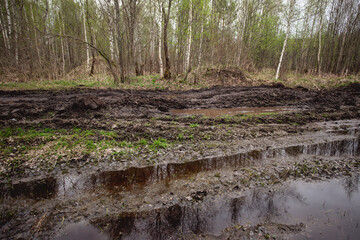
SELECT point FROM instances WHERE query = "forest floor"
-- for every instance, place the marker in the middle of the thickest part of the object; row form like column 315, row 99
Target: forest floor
column 226, row 162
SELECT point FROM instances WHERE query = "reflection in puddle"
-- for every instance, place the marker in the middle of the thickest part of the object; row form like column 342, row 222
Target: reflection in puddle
column 329, row 210
column 81, row 230
column 216, row 112
column 133, row 178
column 138, row 177
column 36, row 188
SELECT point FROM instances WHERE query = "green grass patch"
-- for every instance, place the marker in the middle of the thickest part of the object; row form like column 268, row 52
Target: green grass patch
column 160, row 143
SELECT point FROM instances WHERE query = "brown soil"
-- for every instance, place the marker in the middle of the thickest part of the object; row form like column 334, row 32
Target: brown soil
column 110, row 192
column 82, row 104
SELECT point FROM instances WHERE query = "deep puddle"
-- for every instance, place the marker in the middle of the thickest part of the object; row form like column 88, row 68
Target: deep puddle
column 138, row 177
column 329, row 210
column 216, row 112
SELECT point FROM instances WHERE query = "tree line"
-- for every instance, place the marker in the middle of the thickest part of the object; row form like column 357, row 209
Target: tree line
column 49, row 38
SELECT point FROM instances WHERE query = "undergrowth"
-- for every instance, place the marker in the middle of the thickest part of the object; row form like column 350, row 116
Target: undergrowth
column 265, row 76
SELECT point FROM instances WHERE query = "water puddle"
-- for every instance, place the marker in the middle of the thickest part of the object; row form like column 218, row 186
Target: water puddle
column 135, row 178
column 216, row 112
column 81, row 230
column 36, row 188
column 329, row 210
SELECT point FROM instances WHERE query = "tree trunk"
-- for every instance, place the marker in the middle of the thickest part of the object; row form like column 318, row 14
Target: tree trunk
column 85, row 36
column 62, row 49
column 111, row 42
column 9, row 21
column 282, row 53
column 91, row 40
column 340, row 57
column 35, row 35
column 166, row 16
column 161, row 66
column 289, row 19
column 4, row 32
column 152, row 38
column 46, row 38
column 200, row 46
column 118, row 33
column 15, row 21
column 188, row 42
column 319, row 50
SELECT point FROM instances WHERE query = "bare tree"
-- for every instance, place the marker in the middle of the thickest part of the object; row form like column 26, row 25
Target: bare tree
column 118, row 32
column 166, row 17
column 290, row 14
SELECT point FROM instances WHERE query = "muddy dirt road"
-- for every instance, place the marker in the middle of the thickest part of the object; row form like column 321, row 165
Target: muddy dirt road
column 221, row 163
column 106, row 104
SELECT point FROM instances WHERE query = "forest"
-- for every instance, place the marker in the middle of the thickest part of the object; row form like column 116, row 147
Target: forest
column 179, row 119
column 50, row 38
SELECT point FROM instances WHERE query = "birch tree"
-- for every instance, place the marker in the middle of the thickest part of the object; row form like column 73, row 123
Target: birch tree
column 47, row 39
column 85, row 38
column 187, row 66
column 290, row 15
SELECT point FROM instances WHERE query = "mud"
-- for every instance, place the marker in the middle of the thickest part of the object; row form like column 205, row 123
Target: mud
column 246, row 176
column 135, row 178
column 104, row 104
column 217, row 112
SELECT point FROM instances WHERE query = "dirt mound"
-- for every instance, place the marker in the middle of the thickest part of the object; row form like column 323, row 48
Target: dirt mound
column 227, row 75
column 100, row 67
column 88, row 103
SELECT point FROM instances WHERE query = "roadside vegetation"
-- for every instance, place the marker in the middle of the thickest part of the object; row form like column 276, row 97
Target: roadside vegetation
column 203, row 78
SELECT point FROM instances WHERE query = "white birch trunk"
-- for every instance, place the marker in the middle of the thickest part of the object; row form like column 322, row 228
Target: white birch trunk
column 245, row 7
column 111, row 41
column 282, row 53
column 112, row 38
column 8, row 18
column 4, row 32
column 289, row 19
column 319, row 55
column 188, row 42
column 62, row 49
column 85, row 36
column 152, row 41
column 159, row 43
column 152, row 51
column 200, row 45
column 319, row 51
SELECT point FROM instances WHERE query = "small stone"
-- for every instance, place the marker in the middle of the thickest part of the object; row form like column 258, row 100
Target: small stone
column 188, row 198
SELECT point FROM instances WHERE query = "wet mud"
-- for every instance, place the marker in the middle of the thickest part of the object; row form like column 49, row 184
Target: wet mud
column 135, row 178
column 185, row 199
column 217, row 112
column 265, row 162
column 79, row 104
